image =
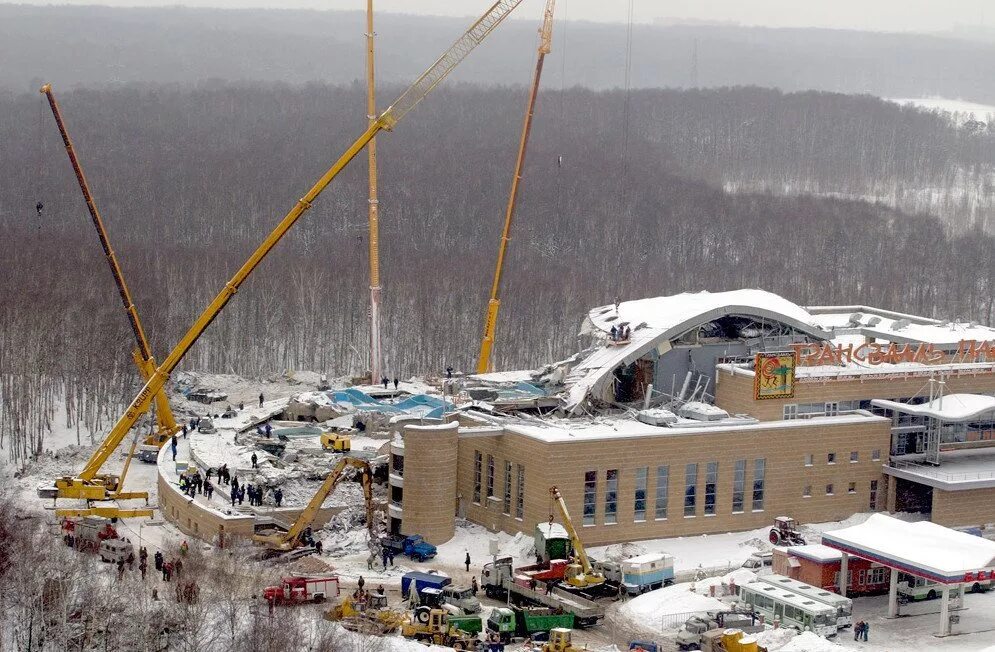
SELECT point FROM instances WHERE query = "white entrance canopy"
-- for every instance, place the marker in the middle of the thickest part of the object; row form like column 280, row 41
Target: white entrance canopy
column 952, row 408
column 936, row 553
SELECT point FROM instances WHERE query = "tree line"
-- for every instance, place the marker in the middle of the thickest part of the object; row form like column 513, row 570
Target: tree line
column 190, row 179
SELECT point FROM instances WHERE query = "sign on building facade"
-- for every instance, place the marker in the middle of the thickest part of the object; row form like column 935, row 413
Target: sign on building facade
column 773, row 376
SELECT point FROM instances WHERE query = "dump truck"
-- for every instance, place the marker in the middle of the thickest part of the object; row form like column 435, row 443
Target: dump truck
column 298, row 590
column 438, row 629
column 525, row 622
column 500, row 581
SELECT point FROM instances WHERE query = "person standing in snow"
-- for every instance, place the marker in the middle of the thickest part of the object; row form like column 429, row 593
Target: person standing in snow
column 269, row 430
column 255, row 461
column 383, row 379
column 260, row 399
column 449, row 372
column 234, row 496
column 396, row 383
column 390, row 556
column 863, row 632
column 173, row 445
column 467, row 561
column 241, row 495
column 184, row 431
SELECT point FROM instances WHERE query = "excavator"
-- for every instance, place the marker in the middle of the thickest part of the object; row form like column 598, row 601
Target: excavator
column 295, row 536
column 165, row 423
column 92, row 485
column 579, row 576
column 485, row 361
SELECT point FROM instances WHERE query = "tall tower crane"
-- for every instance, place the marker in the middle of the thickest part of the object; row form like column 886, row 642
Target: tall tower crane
column 165, row 422
column 485, row 360
column 376, row 355
column 89, row 483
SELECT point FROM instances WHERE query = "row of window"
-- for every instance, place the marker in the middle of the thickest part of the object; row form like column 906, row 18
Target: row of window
column 691, row 472
column 519, row 480
column 854, row 457
column 827, row 408
column 851, row 489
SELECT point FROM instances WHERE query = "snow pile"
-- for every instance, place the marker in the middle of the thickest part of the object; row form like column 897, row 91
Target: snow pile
column 476, row 540
column 809, row 642
column 724, row 584
column 649, row 609
column 775, row 639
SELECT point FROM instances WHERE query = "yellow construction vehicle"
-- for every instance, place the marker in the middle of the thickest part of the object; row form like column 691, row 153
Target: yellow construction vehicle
column 165, row 422
column 560, row 641
column 485, row 362
column 337, row 441
column 90, row 484
column 368, row 614
column 577, row 575
column 296, row 535
column 438, row 630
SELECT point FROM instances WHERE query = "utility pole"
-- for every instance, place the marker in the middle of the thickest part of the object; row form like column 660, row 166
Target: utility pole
column 376, row 355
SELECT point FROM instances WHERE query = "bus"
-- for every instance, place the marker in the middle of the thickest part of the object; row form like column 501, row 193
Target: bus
column 843, row 605
column 789, row 608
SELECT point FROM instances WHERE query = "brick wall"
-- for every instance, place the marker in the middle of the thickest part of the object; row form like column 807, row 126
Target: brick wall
column 959, row 508
column 429, row 498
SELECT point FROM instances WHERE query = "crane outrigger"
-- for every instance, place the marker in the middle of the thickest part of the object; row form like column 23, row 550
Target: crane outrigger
column 90, row 484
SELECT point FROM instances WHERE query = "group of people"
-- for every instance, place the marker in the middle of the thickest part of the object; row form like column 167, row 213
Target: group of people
column 860, row 631
column 620, row 333
column 266, row 431
column 223, row 474
column 386, row 381
column 192, row 484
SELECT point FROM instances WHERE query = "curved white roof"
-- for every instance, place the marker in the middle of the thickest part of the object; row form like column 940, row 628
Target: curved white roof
column 674, row 315
column 952, row 408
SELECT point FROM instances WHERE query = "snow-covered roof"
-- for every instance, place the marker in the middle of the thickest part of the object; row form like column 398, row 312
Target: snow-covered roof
column 815, row 552
column 924, row 549
column 674, row 315
column 656, row 321
column 952, row 408
column 889, row 326
column 959, row 470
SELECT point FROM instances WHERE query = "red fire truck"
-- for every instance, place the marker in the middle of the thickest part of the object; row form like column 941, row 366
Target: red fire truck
column 297, row 590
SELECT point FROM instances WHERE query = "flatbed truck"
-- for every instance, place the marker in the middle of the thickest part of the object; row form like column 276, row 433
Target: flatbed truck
column 499, row 581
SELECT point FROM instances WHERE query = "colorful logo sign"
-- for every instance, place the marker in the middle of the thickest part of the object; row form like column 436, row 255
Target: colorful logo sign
column 774, row 376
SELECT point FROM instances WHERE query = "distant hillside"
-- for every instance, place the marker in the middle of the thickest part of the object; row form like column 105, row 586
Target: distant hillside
column 98, row 45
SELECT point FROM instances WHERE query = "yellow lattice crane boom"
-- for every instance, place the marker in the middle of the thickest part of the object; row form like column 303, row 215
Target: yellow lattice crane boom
column 485, row 360
column 165, row 422
column 582, row 575
column 293, row 537
column 90, row 484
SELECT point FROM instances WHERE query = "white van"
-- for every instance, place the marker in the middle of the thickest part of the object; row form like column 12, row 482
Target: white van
column 759, row 561
column 115, row 550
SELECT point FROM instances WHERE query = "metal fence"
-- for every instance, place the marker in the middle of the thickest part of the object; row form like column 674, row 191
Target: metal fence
column 674, row 621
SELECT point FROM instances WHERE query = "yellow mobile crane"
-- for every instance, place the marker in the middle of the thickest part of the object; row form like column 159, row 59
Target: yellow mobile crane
column 293, row 538
column 165, row 422
column 90, row 484
column 485, row 362
column 580, row 575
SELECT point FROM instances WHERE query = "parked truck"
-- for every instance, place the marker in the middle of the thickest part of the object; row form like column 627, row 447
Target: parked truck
column 418, row 581
column 695, row 632
column 439, row 629
column 499, row 580
column 526, row 622
column 414, row 546
column 647, row 572
column 298, row 590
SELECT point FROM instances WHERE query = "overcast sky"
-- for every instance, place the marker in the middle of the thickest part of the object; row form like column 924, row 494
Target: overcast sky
column 877, row 15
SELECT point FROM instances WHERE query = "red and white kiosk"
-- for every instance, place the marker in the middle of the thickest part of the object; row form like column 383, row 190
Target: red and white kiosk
column 939, row 554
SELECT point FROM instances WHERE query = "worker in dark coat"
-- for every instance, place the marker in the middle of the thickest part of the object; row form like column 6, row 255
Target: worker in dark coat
column 255, row 461
column 467, row 561
column 260, row 399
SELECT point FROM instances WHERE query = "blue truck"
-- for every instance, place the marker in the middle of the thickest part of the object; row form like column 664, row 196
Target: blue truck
column 412, row 545
column 420, row 581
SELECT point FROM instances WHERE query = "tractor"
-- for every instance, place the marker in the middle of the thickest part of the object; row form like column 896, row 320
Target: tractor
column 786, row 533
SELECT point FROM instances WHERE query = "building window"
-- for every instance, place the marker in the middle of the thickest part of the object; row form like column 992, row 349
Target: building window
column 490, row 476
column 832, row 409
column 639, row 506
column 477, row 468
column 876, row 454
column 662, row 492
column 808, row 459
column 829, row 489
column 520, row 498
column 711, row 479
column 611, row 497
column 590, row 496
column 790, row 411
column 852, row 488
column 854, row 456
column 831, row 457
column 738, row 486
column 759, row 467
column 507, row 487
column 876, row 576
column 874, row 496
column 690, row 485
column 807, row 491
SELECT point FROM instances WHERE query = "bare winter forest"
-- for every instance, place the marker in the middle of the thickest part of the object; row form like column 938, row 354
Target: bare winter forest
column 819, row 196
